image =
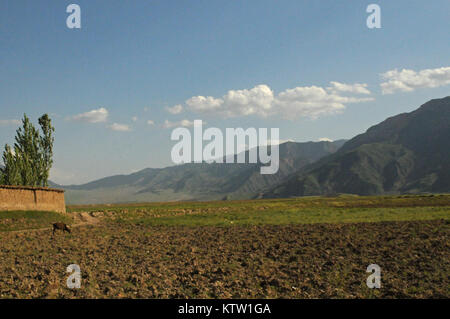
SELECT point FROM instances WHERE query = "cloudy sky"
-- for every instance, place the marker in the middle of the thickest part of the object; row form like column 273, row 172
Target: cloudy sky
column 117, row 87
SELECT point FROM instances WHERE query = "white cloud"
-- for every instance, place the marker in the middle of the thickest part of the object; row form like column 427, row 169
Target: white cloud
column 150, row 122
column 309, row 102
column 182, row 123
column 9, row 122
column 325, row 139
column 119, row 127
column 235, row 103
column 94, row 116
column 312, row 102
column 201, row 103
column 410, row 80
column 176, row 109
column 357, row 88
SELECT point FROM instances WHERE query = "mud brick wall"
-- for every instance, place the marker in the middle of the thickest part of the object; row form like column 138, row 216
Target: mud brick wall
column 31, row 198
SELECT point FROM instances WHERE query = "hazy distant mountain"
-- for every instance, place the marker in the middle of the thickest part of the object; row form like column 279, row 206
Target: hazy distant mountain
column 407, row 153
column 199, row 181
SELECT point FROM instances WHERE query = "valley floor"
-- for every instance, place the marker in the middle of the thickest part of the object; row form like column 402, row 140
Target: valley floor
column 218, row 250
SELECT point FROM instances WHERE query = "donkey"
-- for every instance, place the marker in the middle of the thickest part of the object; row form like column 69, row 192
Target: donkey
column 60, row 226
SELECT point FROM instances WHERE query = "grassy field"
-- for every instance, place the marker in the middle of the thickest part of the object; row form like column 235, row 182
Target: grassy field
column 314, row 247
column 343, row 209
column 13, row 221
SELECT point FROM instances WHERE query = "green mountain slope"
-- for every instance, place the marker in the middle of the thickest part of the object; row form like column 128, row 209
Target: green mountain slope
column 200, row 181
column 407, row 153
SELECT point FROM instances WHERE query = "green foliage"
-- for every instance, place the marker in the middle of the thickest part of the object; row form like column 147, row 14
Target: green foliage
column 10, row 174
column 304, row 210
column 46, row 147
column 293, row 216
column 20, row 220
column 29, row 163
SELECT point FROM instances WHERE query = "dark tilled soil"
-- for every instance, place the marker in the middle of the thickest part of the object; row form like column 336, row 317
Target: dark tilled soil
column 298, row 261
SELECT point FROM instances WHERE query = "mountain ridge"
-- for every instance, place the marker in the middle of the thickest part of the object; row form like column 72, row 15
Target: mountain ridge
column 199, row 181
column 406, row 153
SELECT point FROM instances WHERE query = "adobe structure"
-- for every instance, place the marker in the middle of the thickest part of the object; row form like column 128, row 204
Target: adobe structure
column 16, row 198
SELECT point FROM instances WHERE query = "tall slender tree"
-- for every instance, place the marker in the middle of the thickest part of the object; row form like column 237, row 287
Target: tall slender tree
column 46, row 148
column 30, row 161
column 10, row 173
column 26, row 150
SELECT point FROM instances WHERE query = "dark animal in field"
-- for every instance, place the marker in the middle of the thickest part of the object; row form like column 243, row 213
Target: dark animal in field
column 60, row 226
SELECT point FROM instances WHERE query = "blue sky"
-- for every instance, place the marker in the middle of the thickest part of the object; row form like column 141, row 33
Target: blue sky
column 262, row 63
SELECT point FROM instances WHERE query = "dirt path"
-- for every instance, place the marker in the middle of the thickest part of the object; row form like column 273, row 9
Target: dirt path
column 80, row 219
column 85, row 218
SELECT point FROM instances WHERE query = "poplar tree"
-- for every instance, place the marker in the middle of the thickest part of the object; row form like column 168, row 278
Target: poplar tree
column 29, row 162
column 46, row 148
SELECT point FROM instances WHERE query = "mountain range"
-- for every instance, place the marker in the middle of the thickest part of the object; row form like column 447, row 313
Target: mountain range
column 199, row 181
column 406, row 153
